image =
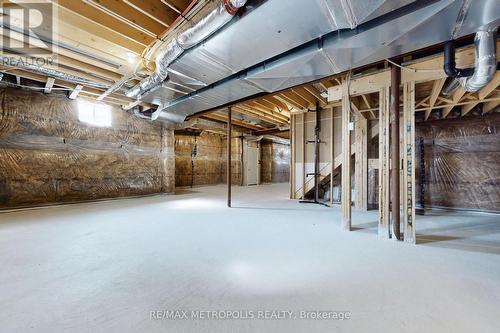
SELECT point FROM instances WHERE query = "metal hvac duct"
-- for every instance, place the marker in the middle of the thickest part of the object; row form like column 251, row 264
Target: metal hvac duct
column 226, row 67
column 472, row 79
column 196, row 33
column 486, row 62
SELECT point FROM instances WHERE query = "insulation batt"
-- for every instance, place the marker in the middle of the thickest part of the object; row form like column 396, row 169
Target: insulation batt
column 462, row 162
column 48, row 156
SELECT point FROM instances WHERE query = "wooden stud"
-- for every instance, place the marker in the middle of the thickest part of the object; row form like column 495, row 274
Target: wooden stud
column 409, row 162
column 361, row 164
column 384, row 164
column 346, row 162
column 293, row 146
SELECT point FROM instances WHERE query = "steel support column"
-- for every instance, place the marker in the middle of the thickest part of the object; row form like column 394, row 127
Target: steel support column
column 229, row 172
column 395, row 159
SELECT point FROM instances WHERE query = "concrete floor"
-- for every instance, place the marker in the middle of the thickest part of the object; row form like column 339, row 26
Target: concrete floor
column 104, row 267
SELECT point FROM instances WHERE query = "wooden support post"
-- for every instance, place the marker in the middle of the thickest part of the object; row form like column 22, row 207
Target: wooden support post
column 346, row 162
column 293, row 146
column 409, row 162
column 332, row 153
column 383, row 172
column 395, row 162
column 364, row 127
column 361, row 163
column 229, row 172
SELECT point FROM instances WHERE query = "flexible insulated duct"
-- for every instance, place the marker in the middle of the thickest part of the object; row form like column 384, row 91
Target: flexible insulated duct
column 472, row 80
column 197, row 32
column 486, row 62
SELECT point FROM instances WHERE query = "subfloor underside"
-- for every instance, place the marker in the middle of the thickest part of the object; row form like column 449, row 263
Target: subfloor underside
column 104, row 267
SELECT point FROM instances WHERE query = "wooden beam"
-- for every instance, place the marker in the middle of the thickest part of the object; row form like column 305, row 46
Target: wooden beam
column 457, row 95
column 436, row 90
column 278, row 103
column 489, row 99
column 315, row 92
column 346, row 163
column 383, row 176
column 223, row 118
column 176, row 5
column 49, row 85
column 468, row 108
column 155, row 10
column 256, row 113
column 98, row 19
column 490, row 87
column 488, row 107
column 424, row 101
column 363, row 85
column 374, row 81
column 409, row 162
column 294, row 100
column 129, row 15
column 74, row 94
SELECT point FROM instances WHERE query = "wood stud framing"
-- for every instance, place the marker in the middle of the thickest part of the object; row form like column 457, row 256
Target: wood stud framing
column 361, row 163
column 384, row 164
column 408, row 153
column 346, row 162
column 293, row 152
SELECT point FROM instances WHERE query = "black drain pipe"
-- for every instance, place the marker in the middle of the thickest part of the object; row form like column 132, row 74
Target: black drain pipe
column 449, row 62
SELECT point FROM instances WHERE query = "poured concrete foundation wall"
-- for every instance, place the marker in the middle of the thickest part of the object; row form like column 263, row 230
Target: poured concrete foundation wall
column 48, row 156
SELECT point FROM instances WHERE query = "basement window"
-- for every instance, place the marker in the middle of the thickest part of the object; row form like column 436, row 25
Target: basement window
column 95, row 114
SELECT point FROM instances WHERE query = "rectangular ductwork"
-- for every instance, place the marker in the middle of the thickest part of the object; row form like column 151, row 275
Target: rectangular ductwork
column 277, row 44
